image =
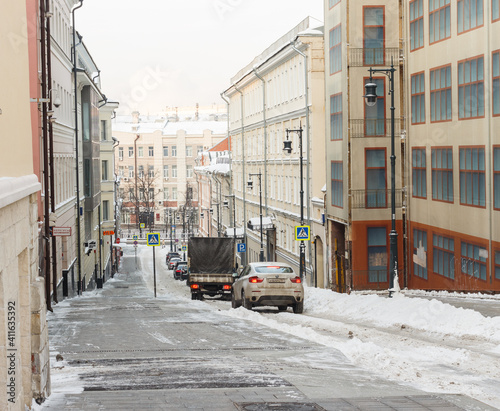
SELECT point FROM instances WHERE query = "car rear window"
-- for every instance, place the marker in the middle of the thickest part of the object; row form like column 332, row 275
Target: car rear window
column 273, row 269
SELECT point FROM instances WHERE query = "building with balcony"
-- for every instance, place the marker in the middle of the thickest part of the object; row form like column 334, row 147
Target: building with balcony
column 282, row 88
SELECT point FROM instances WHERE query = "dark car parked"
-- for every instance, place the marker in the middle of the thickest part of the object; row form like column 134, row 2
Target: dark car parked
column 172, row 254
column 181, row 272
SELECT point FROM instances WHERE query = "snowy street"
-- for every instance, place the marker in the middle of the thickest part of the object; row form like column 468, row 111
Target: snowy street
column 119, row 348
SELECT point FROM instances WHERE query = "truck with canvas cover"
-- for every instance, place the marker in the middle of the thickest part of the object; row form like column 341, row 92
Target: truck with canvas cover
column 211, row 262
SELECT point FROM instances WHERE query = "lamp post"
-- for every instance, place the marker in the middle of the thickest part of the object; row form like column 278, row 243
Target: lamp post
column 226, row 204
column 371, row 99
column 287, row 148
column 250, row 186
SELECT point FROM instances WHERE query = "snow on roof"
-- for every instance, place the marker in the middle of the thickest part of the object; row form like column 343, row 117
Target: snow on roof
column 171, row 128
column 254, row 222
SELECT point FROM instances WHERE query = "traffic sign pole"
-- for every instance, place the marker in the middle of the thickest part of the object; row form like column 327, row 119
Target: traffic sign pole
column 153, row 239
column 154, row 270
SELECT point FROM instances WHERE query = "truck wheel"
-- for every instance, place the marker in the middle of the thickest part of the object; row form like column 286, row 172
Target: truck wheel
column 298, row 307
column 194, row 296
column 246, row 302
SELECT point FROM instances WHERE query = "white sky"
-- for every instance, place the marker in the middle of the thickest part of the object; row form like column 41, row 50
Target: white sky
column 155, row 54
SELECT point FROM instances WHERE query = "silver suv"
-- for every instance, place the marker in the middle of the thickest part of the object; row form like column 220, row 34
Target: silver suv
column 268, row 284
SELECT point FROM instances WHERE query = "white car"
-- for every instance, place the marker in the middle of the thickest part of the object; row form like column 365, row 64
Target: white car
column 268, row 284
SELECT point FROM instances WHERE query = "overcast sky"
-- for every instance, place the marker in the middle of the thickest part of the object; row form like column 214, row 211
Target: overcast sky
column 158, row 53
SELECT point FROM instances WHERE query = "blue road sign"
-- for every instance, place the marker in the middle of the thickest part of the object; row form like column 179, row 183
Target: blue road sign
column 135, row 237
column 184, row 248
column 302, row 232
column 135, row 242
column 242, row 247
column 153, row 239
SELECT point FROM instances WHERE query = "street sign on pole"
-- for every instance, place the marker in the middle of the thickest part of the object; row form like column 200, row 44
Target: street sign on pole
column 135, row 237
column 153, row 239
column 142, row 225
column 302, row 233
column 241, row 247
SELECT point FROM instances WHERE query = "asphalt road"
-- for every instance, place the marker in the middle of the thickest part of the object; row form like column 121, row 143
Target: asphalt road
column 122, row 349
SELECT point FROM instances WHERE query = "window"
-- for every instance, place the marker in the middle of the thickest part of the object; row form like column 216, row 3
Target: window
column 419, row 173
column 441, row 94
column 474, row 259
column 442, row 174
column 497, row 265
column 376, row 195
column 165, row 193
column 174, row 171
column 121, row 171
column 375, row 115
column 417, row 24
column 141, row 171
column 104, row 130
column 131, row 194
column 105, row 210
column 336, row 117
column 332, row 3
column 189, row 151
column 377, row 254
column 131, row 171
column 439, row 20
column 165, row 151
column 131, row 151
column 140, row 151
column 151, row 151
column 151, row 171
column 120, row 153
column 104, row 170
column 189, row 171
column 165, row 171
column 496, row 177
column 443, row 256
column 420, row 253
column 87, row 182
column 174, row 151
column 417, row 99
column 337, row 184
column 174, row 193
column 496, row 82
column 471, row 88
column 472, row 177
column 470, row 14
column 373, row 35
column 495, row 10
column 335, row 49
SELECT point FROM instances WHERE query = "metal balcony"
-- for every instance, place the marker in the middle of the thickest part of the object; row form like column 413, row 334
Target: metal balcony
column 369, row 57
column 374, row 127
column 371, row 199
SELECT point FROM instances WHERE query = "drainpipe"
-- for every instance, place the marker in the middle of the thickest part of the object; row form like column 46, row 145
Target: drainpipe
column 45, row 138
column 219, row 201
column 77, row 165
column 243, row 257
column 264, row 108
column 306, row 85
column 136, row 196
column 114, row 267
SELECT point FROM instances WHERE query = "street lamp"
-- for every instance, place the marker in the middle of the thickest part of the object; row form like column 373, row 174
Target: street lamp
column 250, row 186
column 370, row 100
column 287, row 148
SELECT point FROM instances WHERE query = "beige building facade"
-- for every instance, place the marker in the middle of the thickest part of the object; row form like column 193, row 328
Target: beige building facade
column 283, row 88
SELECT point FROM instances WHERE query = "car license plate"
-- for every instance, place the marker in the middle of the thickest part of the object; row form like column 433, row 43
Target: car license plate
column 276, row 280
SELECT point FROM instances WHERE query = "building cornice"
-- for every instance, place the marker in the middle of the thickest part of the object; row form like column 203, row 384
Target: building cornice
column 13, row 189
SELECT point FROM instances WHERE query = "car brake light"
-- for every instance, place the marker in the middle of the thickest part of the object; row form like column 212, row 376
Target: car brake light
column 255, row 279
column 195, row 286
column 226, row 287
column 296, row 280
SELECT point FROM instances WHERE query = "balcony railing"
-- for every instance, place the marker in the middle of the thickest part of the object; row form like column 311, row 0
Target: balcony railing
column 374, row 198
column 364, row 57
column 374, row 127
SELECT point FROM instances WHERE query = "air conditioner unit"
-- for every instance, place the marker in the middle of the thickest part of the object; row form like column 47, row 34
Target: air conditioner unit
column 125, row 178
column 165, row 178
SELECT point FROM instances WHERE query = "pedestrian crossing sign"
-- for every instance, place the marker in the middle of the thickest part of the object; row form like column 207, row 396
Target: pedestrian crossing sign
column 153, row 239
column 135, row 237
column 302, row 233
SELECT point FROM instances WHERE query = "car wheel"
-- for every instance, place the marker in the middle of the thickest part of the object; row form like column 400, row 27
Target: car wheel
column 246, row 302
column 282, row 307
column 298, row 308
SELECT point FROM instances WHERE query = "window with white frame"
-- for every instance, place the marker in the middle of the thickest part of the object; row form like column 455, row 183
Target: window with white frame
column 151, row 151
column 140, row 151
column 174, row 193
column 174, row 171
column 165, row 171
column 189, row 151
column 174, row 151
column 189, row 171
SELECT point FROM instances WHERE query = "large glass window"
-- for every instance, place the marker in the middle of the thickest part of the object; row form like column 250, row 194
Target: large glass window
column 416, row 24
column 495, row 10
column 337, row 184
column 441, row 94
column 373, row 35
column 470, row 14
column 419, row 173
column 474, row 260
column 439, row 20
column 471, row 88
column 496, row 82
column 472, row 177
column 442, row 174
column 336, row 117
column 420, row 253
column 417, row 99
column 377, row 254
column 497, row 265
column 375, row 115
column 496, row 177
column 335, row 49
column 376, row 178
column 443, row 255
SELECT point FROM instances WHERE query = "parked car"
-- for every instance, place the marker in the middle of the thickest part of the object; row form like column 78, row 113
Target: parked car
column 268, row 284
column 181, row 272
column 172, row 254
column 172, row 261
